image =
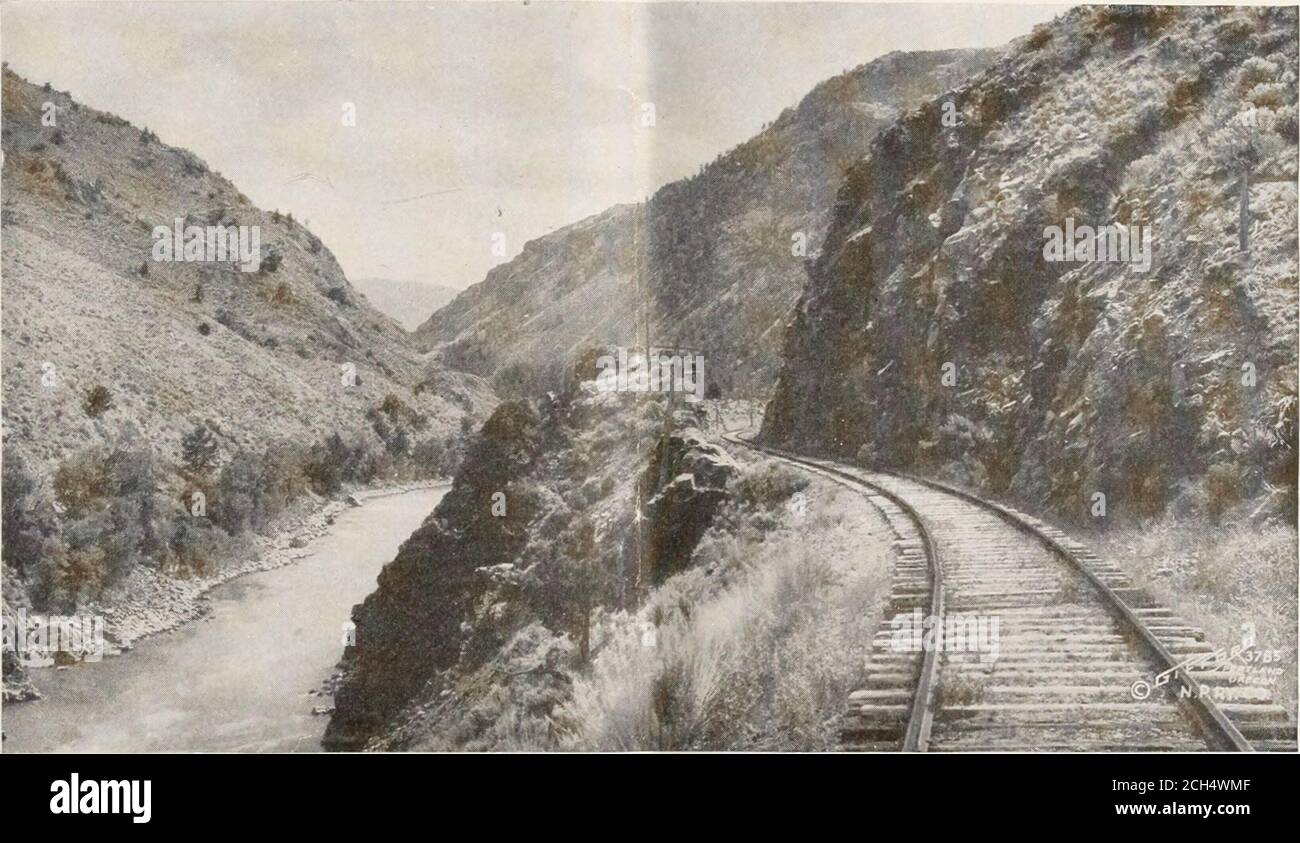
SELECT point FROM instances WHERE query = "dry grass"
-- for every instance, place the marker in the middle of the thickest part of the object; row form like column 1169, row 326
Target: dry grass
column 960, row 689
column 756, row 647
column 1219, row 579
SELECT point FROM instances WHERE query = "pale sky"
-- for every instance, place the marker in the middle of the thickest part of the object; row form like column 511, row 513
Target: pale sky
column 471, row 118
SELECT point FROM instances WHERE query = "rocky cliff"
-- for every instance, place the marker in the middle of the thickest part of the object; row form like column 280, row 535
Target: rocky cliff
column 940, row 332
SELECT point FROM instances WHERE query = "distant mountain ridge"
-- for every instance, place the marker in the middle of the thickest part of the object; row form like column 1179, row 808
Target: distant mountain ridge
column 409, row 303
column 718, row 258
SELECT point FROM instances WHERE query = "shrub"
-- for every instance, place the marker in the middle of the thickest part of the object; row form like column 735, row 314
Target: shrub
column 239, row 494
column 1224, row 486
column 109, row 527
column 133, row 506
column 282, row 296
column 15, row 492
column 1255, row 70
column 1123, row 24
column 469, row 354
column 528, row 380
column 394, row 407
column 70, row 577
column 429, row 458
column 270, row 263
column 283, row 478
column 199, row 450
column 338, row 295
column 192, row 545
column 334, row 462
column 764, row 662
column 23, row 533
column 98, row 401
column 768, row 485
column 399, row 443
column 81, row 483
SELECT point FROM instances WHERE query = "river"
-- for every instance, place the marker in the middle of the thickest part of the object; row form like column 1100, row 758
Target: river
column 239, row 681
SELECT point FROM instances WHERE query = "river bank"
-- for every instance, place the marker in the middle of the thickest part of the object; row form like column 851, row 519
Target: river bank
column 247, row 679
column 148, row 602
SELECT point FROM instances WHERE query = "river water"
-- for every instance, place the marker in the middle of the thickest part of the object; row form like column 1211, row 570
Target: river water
column 239, row 681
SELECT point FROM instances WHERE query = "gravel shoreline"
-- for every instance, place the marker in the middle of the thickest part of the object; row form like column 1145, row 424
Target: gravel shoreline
column 148, row 603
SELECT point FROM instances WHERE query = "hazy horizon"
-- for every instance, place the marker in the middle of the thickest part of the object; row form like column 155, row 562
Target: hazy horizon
column 512, row 119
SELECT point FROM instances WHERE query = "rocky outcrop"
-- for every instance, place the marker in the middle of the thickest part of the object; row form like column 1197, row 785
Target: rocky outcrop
column 685, row 483
column 560, row 512
column 935, row 335
column 718, row 258
column 411, row 626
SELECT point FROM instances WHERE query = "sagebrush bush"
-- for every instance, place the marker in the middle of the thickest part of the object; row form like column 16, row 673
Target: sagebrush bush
column 1040, row 37
column 81, row 482
column 1224, row 485
column 194, row 547
column 199, row 450
column 282, row 295
column 768, row 485
column 98, row 401
column 758, row 654
column 108, row 527
column 29, row 524
column 237, row 506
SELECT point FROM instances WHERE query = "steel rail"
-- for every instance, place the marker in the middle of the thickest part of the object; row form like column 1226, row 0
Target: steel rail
column 1216, row 728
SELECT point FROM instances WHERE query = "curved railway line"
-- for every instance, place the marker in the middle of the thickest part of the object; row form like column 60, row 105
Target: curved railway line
column 1083, row 660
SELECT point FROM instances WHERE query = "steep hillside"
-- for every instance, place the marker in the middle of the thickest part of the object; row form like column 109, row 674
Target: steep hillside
column 112, row 355
column 935, row 336
column 721, row 255
column 409, row 303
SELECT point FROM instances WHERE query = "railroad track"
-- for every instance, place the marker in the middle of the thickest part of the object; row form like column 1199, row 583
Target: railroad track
column 1069, row 657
